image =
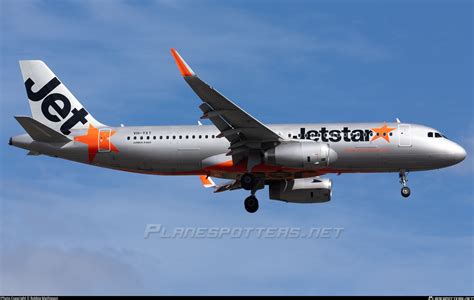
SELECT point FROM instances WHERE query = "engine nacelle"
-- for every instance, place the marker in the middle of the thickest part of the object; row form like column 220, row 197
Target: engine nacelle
column 305, row 154
column 304, row 190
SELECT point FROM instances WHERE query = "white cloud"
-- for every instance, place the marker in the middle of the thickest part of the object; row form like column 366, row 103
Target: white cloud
column 29, row 269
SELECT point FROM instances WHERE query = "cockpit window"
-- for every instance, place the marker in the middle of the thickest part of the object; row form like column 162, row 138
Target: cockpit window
column 435, row 135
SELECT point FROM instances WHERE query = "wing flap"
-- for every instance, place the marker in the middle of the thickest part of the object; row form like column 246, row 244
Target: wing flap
column 228, row 186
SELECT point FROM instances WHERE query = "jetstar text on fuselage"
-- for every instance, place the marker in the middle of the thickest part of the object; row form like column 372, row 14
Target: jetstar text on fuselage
column 335, row 135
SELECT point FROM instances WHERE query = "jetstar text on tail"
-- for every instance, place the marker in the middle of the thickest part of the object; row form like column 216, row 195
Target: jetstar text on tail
column 62, row 110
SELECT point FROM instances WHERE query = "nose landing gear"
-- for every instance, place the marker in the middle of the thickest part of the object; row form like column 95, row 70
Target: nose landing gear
column 403, row 180
column 405, row 191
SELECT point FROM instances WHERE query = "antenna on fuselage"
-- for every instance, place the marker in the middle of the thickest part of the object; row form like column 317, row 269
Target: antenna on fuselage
column 199, row 123
column 398, row 120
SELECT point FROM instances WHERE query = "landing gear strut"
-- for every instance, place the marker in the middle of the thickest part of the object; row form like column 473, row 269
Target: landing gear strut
column 403, row 180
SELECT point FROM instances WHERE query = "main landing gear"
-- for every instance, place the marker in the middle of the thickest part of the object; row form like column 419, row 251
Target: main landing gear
column 250, row 183
column 251, row 204
column 403, row 180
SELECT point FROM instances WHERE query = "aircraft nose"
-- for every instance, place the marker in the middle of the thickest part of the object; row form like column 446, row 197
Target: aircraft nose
column 457, row 153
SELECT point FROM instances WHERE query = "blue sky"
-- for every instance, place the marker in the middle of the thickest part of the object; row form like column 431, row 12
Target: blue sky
column 68, row 228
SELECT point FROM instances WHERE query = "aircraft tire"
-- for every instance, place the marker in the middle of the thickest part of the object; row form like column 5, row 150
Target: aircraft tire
column 405, row 191
column 251, row 204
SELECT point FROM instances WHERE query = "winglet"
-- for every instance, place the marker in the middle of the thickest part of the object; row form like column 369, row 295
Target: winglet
column 182, row 65
column 207, row 181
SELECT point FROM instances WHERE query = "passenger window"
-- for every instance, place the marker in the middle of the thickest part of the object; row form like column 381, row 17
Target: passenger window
column 161, row 137
column 187, row 137
column 200, row 136
column 174, row 137
column 154, row 137
column 180, row 136
column 213, row 136
column 207, row 136
column 134, row 137
column 167, row 137
column 128, row 138
column 147, row 137
column 141, row 138
column 194, row 136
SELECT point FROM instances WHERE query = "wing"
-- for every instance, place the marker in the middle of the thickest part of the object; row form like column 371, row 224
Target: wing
column 243, row 131
column 207, row 182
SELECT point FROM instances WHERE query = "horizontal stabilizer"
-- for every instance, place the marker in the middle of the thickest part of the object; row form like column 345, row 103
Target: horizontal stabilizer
column 40, row 132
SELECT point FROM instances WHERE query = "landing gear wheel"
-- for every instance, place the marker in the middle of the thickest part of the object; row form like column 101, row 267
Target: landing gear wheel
column 248, row 181
column 405, row 191
column 403, row 180
column 251, row 204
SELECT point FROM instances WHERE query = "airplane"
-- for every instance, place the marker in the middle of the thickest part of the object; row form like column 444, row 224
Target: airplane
column 288, row 158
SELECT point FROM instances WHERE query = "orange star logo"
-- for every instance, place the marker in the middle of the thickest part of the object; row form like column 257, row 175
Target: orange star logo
column 382, row 132
column 96, row 141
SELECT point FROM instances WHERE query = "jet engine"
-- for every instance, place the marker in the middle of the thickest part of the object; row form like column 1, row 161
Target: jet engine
column 305, row 154
column 304, row 190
